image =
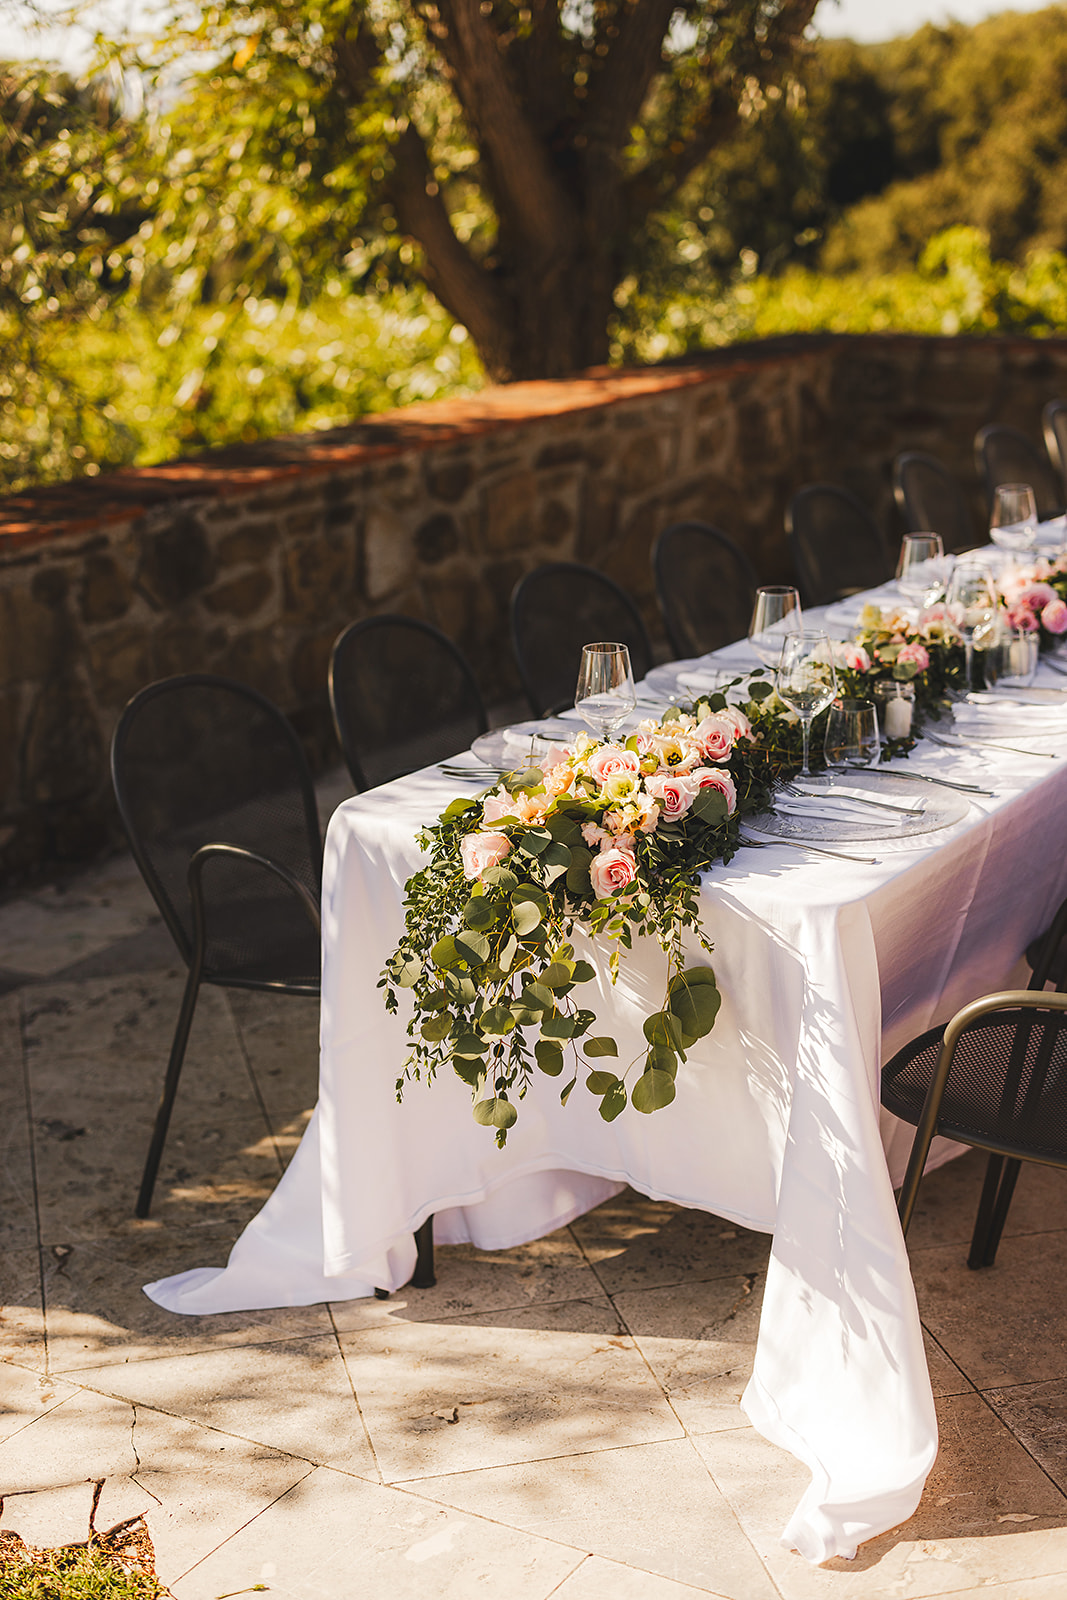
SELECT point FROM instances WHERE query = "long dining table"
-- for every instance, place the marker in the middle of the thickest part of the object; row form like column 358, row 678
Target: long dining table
column 827, row 966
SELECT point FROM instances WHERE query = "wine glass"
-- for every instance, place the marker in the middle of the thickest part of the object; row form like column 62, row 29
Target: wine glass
column 605, row 694
column 851, row 734
column 971, row 602
column 807, row 681
column 1013, row 522
column 921, row 567
column 775, row 615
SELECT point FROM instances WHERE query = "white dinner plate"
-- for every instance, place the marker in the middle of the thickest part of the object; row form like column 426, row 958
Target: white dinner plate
column 682, row 680
column 939, row 810
column 523, row 742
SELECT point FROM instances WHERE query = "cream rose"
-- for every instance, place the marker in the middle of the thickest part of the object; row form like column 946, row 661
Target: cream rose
column 674, row 791
column 611, row 760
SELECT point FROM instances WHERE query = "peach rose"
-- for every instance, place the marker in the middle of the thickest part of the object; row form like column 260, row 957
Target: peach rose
column 531, row 807
column 558, row 779
column 713, row 778
column 611, row 759
column 1054, row 616
column 675, row 792
column 482, row 850
column 612, row 871
column 495, row 806
column 852, row 656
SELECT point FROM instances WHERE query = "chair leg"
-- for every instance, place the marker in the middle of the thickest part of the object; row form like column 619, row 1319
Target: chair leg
column 980, row 1237
column 170, row 1089
column 424, row 1276
column 1000, row 1216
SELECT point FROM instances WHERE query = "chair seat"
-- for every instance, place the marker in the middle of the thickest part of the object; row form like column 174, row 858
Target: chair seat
column 1005, row 1091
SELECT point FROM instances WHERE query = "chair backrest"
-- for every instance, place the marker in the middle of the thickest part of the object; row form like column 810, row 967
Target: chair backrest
column 1006, row 455
column 199, row 759
column 555, row 610
column 837, row 546
column 705, row 586
column 931, row 501
column 403, row 697
column 1054, row 426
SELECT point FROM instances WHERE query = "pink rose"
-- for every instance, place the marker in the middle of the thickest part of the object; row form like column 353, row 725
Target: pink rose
column 609, row 759
column 852, row 656
column 715, row 736
column 712, row 778
column 1023, row 620
column 675, row 792
column 915, row 652
column 482, row 850
column 1036, row 596
column 741, row 725
column 1054, row 616
column 612, row 871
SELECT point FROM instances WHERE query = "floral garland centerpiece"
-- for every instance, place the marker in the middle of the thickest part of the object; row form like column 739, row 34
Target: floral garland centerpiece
column 608, row 838
column 1034, row 600
column 925, row 652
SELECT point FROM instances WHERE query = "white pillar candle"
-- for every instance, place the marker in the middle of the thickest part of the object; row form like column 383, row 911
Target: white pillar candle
column 897, row 718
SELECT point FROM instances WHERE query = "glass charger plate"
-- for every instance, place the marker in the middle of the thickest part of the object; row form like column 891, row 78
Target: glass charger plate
column 939, row 810
column 700, row 675
column 523, row 742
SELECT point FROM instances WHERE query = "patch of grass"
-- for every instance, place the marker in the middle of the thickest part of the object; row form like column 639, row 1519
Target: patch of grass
column 74, row 1572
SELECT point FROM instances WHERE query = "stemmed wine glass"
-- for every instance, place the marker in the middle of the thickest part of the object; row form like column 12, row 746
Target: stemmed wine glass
column 971, row 602
column 775, row 615
column 807, row 681
column 605, row 694
column 921, row 567
column 1013, row 521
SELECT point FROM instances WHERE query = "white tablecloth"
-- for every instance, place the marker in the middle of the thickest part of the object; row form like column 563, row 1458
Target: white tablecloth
column 826, row 969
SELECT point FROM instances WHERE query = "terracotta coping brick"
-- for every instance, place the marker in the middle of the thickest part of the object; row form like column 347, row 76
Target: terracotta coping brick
column 35, row 515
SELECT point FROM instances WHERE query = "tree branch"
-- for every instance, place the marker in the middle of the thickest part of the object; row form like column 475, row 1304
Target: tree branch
column 618, row 88
column 464, row 287
column 535, row 202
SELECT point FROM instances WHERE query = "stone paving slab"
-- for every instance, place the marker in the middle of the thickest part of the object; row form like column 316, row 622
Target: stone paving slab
column 560, row 1419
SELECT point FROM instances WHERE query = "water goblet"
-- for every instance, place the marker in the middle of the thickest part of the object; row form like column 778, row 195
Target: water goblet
column 605, row 694
column 775, row 615
column 851, row 734
column 971, row 603
column 921, row 567
column 1013, row 521
column 807, row 682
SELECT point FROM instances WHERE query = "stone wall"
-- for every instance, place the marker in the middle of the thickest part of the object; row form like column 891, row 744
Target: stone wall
column 249, row 561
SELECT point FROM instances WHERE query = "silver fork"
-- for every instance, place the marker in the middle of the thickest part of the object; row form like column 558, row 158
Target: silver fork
column 854, row 800
column 925, row 777
column 962, row 740
column 813, row 849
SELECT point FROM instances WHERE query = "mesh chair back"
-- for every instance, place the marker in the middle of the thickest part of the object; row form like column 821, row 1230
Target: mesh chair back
column 837, row 546
column 931, row 501
column 403, row 697
column 1054, row 425
column 557, row 609
column 201, row 760
column 705, row 586
column 1005, row 455
column 1007, row 1090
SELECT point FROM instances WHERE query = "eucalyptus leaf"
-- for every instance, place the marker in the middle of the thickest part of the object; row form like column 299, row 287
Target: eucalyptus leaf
column 525, row 916
column 497, row 1020
column 474, row 947
column 438, row 1027
column 557, row 1027
column 469, row 1045
column 565, row 1092
column 444, row 953
column 556, row 974
column 501, row 878
column 613, row 1103
column 695, row 1000
column 601, row 1082
column 494, row 1113
column 584, row 972
column 652, row 1091
column 602, row 1045
column 549, row 1057
column 536, row 995
column 479, row 913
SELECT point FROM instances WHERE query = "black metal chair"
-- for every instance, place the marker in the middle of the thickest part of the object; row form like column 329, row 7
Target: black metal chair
column 705, row 586
column 931, row 501
column 555, row 610
column 403, row 697
column 218, row 804
column 995, row 1077
column 1006, row 455
column 1054, row 426
column 837, row 546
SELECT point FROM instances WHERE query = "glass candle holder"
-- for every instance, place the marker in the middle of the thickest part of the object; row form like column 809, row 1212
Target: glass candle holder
column 895, row 702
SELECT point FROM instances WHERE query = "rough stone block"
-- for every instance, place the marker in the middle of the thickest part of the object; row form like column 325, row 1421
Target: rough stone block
column 318, row 575
column 247, row 544
column 105, row 591
column 31, row 637
column 176, row 562
column 120, row 663
column 388, row 554
column 437, row 538
column 241, row 596
column 448, row 478
column 507, row 511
